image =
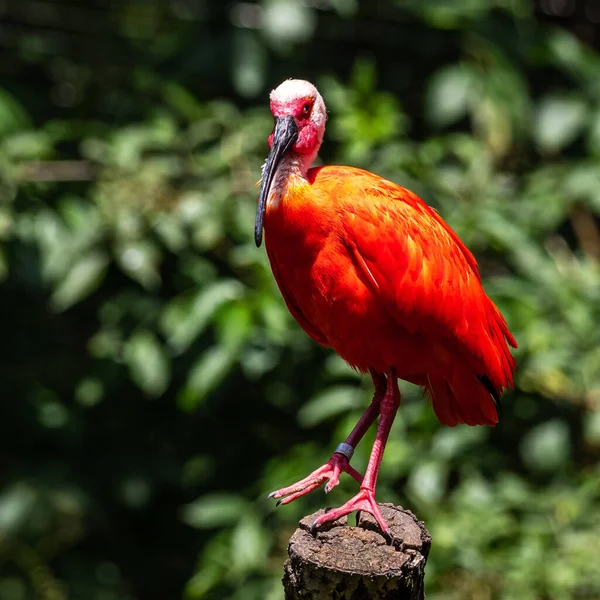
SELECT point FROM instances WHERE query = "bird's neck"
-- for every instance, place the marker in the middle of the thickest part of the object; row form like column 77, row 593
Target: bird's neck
column 292, row 170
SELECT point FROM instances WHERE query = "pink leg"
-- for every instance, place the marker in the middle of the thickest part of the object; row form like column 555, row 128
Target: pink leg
column 365, row 499
column 340, row 460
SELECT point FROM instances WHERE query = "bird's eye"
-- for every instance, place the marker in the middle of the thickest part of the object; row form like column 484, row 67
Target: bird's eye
column 306, row 109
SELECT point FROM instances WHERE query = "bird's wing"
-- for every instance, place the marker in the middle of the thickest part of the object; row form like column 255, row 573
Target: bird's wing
column 426, row 277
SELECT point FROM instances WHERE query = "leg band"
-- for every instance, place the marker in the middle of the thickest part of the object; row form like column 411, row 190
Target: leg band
column 346, row 449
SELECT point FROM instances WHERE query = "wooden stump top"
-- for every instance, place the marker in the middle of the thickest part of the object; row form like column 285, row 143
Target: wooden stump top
column 356, row 563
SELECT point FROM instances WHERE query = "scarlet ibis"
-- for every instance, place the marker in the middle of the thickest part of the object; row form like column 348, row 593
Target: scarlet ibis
column 370, row 270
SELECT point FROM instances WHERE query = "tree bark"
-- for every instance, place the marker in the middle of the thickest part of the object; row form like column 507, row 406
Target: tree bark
column 356, row 563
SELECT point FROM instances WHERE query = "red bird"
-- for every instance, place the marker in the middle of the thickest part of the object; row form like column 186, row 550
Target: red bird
column 370, row 270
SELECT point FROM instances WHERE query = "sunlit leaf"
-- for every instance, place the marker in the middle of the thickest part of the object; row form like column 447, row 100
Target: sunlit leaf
column 448, row 95
column 140, row 261
column 16, row 504
column 234, row 324
column 330, row 402
column 250, row 537
column 205, row 375
column 249, row 64
column 13, row 116
column 546, row 447
column 559, row 121
column 427, row 481
column 148, row 362
column 287, row 22
column 83, row 278
column 186, row 317
column 592, row 428
column 214, row 510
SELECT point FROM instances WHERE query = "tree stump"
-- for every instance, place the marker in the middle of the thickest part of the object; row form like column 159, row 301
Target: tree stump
column 356, row 563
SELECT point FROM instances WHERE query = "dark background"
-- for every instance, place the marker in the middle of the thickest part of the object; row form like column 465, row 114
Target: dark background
column 154, row 387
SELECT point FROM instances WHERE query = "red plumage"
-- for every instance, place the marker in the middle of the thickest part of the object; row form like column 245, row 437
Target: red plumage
column 366, row 267
column 369, row 269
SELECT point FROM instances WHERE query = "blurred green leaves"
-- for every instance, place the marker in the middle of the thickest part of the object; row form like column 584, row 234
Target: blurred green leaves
column 215, row 510
column 186, row 317
column 559, row 121
column 157, row 388
column 80, row 280
column 547, row 447
column 148, row 362
column 366, row 116
column 331, row 402
column 13, row 117
column 449, row 95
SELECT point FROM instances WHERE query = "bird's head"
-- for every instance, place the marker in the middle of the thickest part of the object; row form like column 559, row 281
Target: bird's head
column 300, row 116
column 299, row 103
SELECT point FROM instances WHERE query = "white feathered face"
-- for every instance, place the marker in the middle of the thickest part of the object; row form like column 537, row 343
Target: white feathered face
column 300, row 100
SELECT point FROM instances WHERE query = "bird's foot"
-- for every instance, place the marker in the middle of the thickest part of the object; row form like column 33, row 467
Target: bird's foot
column 364, row 500
column 331, row 471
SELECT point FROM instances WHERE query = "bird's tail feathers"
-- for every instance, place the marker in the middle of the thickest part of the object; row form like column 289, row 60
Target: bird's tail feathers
column 498, row 358
column 462, row 399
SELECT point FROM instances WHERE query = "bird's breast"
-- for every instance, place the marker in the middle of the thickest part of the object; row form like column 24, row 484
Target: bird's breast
column 326, row 287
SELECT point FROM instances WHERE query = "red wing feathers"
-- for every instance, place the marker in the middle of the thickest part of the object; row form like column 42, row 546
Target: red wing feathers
column 427, row 277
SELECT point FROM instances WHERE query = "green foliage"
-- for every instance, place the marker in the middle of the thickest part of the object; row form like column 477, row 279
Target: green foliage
column 156, row 387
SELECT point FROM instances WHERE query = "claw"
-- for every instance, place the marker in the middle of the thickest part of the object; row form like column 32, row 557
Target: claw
column 329, row 472
column 330, row 485
column 303, row 492
column 363, row 501
column 387, row 534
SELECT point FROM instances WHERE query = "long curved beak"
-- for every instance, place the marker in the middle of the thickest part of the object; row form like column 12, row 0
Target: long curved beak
column 284, row 136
